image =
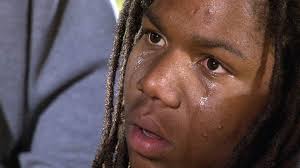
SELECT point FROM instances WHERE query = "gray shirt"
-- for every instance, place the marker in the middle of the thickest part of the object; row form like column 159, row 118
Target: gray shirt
column 53, row 56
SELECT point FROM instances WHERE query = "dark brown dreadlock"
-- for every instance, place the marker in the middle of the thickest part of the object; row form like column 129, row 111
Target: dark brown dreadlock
column 275, row 140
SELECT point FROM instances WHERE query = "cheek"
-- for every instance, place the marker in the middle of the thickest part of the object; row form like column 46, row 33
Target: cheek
column 127, row 83
column 218, row 123
column 137, row 65
column 131, row 73
column 234, row 115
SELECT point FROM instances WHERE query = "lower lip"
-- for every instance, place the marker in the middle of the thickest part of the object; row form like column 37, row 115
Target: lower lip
column 147, row 146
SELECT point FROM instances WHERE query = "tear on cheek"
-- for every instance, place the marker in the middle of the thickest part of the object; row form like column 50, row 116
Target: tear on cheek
column 212, row 86
column 141, row 59
column 139, row 62
column 203, row 101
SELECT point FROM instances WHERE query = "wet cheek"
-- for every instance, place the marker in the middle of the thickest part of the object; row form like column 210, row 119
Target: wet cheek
column 137, row 65
column 235, row 115
column 130, row 80
column 197, row 106
column 218, row 123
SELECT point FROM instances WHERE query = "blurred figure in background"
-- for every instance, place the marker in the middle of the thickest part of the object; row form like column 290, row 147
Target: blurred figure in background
column 53, row 56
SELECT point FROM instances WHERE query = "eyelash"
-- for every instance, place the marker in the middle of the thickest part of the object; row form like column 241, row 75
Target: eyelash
column 147, row 33
column 203, row 63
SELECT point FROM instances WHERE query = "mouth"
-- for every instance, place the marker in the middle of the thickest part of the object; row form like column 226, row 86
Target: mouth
column 147, row 141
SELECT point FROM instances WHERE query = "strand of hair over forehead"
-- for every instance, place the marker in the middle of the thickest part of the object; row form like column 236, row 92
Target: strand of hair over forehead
column 112, row 151
column 285, row 127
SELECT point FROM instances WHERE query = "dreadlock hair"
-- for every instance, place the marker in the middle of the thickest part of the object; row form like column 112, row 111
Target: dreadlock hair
column 274, row 141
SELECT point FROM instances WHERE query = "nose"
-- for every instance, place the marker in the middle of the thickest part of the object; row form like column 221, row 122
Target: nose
column 160, row 83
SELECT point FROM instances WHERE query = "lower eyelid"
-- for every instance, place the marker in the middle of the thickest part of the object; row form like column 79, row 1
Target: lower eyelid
column 226, row 68
column 209, row 72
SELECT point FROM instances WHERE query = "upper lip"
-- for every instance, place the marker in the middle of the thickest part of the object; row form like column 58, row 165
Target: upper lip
column 149, row 124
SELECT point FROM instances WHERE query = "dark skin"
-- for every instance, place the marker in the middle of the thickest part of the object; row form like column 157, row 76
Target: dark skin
column 200, row 72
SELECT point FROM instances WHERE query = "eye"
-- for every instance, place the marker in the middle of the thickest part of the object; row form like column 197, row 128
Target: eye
column 155, row 39
column 214, row 66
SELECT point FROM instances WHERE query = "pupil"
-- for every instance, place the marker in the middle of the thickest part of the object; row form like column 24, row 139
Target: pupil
column 212, row 64
column 154, row 38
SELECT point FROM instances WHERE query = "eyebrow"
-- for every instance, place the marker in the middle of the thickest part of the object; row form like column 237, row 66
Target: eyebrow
column 154, row 19
column 198, row 40
column 216, row 43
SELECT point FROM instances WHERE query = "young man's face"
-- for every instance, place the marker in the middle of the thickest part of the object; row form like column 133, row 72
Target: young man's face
column 195, row 82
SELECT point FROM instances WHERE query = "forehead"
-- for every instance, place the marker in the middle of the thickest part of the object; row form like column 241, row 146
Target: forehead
column 232, row 20
column 192, row 8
